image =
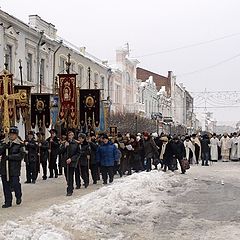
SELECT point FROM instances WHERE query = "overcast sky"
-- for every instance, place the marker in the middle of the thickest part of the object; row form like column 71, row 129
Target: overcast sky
column 152, row 26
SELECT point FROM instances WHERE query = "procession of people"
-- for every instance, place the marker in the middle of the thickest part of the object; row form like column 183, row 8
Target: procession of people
column 80, row 155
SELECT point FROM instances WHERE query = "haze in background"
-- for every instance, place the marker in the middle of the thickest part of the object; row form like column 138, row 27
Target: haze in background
column 149, row 27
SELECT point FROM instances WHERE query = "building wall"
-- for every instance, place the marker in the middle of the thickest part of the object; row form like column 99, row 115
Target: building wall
column 23, row 41
column 160, row 80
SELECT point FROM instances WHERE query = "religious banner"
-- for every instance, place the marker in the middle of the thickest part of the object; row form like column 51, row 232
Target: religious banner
column 68, row 99
column 11, row 104
column 40, row 110
column 90, row 108
column 113, row 131
column 22, row 104
column 54, row 105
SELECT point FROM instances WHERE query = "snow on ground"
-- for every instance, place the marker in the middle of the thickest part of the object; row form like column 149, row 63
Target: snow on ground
column 127, row 209
column 154, row 206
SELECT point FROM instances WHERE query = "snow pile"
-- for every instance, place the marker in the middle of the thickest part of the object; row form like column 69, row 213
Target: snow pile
column 124, row 210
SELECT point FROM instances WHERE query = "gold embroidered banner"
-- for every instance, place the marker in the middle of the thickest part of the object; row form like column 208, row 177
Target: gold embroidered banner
column 68, row 99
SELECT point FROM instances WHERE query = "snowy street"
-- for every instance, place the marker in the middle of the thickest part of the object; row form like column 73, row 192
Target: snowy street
column 203, row 204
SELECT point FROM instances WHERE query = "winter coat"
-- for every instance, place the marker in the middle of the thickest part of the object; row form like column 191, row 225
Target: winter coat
column 53, row 147
column 15, row 156
column 150, row 148
column 84, row 153
column 107, row 154
column 31, row 150
column 178, row 150
column 93, row 149
column 44, row 151
column 205, row 145
column 72, row 152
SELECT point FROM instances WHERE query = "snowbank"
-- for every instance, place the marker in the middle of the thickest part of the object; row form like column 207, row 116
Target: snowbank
column 124, row 210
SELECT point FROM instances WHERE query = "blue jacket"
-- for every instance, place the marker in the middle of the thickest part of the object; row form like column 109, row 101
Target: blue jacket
column 107, row 154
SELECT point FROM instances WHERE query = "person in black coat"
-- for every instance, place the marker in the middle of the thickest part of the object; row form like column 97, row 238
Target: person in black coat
column 70, row 155
column 84, row 162
column 11, row 155
column 43, row 153
column 31, row 158
column 93, row 163
column 54, row 145
column 150, row 150
column 178, row 153
column 205, row 148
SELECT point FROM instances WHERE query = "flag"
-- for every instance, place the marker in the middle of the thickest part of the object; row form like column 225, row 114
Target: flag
column 40, row 110
column 89, row 108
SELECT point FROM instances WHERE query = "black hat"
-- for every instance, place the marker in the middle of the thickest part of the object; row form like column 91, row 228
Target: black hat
column 105, row 136
column 53, row 131
column 30, row 132
column 13, row 129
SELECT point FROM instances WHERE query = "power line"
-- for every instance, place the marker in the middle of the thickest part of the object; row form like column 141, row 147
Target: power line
column 209, row 67
column 188, row 46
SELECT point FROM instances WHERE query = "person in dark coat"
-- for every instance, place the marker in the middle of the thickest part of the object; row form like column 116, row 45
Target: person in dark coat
column 70, row 156
column 31, row 158
column 43, row 152
column 92, row 161
column 107, row 155
column 205, row 148
column 54, row 145
column 165, row 153
column 82, row 169
column 178, row 153
column 150, row 150
column 11, row 155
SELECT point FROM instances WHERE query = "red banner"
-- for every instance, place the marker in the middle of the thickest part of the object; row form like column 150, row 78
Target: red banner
column 68, row 98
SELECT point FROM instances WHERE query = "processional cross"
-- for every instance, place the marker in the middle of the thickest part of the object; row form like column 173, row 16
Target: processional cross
column 21, row 95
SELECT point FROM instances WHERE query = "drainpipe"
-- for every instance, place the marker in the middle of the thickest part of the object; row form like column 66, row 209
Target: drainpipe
column 54, row 61
column 38, row 61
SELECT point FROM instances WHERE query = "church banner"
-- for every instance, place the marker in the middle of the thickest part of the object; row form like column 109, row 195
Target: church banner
column 40, row 110
column 54, row 106
column 23, row 104
column 11, row 105
column 68, row 99
column 90, row 108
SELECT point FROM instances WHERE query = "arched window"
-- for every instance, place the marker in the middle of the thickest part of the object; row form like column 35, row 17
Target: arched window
column 128, row 79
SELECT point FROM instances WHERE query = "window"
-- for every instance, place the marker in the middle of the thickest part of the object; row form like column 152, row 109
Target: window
column 102, row 86
column 117, row 94
column 80, row 75
column 128, row 79
column 42, row 71
column 8, row 57
column 102, row 82
column 29, row 67
column 62, row 65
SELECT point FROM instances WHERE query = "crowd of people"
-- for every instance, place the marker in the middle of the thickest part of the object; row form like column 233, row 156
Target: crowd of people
column 77, row 155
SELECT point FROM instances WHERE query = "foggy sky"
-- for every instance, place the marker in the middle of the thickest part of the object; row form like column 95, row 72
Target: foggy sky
column 153, row 26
